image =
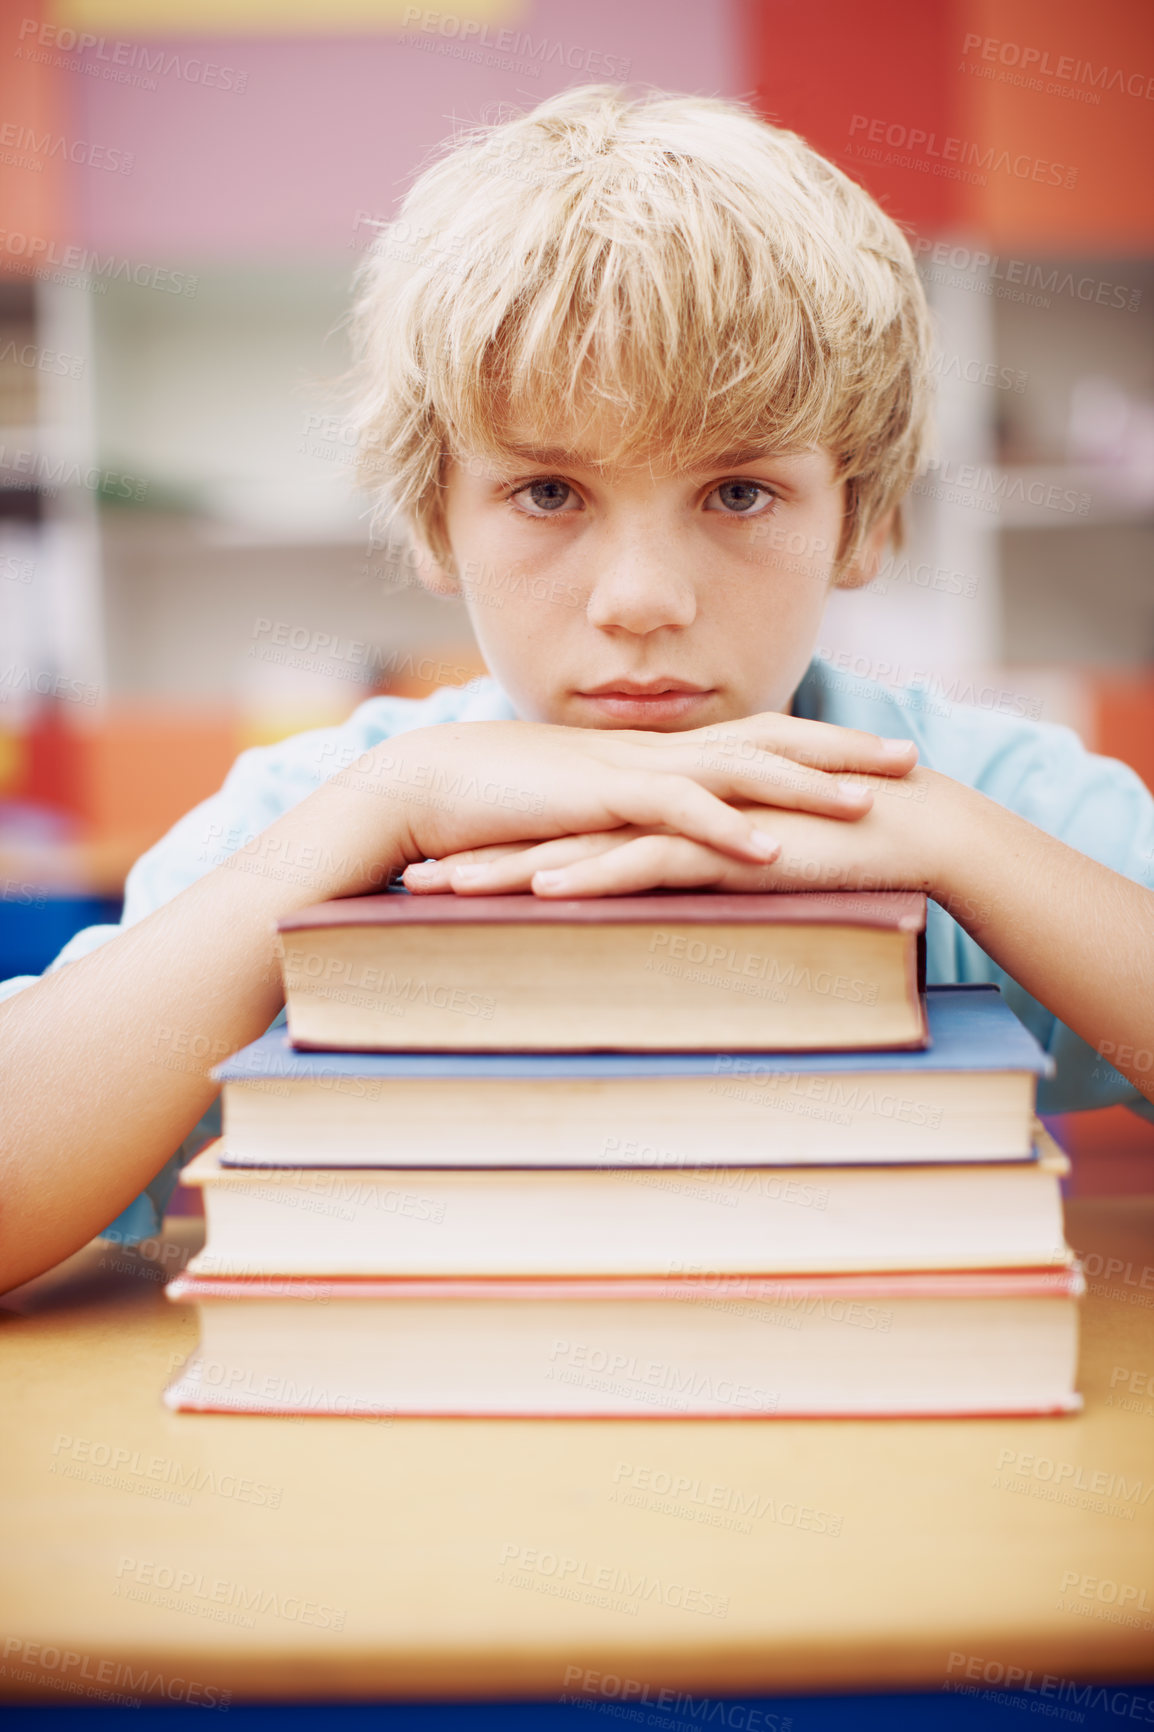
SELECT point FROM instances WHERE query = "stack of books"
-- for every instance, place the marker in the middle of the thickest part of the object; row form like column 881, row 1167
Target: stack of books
column 666, row 1155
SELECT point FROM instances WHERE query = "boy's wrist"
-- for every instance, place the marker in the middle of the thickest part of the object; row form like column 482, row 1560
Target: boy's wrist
column 930, row 815
column 337, row 842
column 961, row 843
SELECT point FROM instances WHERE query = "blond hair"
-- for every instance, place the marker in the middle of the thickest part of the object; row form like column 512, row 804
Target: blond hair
column 705, row 276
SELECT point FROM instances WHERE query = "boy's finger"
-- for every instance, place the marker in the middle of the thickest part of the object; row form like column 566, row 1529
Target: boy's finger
column 821, row 745
column 515, row 871
column 425, row 875
column 646, row 863
column 826, row 747
column 772, row 780
column 688, row 809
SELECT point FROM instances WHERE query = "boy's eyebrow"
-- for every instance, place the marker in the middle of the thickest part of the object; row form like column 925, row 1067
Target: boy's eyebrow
column 547, row 454
column 735, row 459
column 563, row 456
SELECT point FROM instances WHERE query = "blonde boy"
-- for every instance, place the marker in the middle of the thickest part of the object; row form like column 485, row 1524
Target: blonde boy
column 651, row 378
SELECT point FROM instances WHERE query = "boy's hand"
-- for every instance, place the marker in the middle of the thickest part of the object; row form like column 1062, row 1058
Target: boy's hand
column 483, row 783
column 584, row 791
column 895, row 845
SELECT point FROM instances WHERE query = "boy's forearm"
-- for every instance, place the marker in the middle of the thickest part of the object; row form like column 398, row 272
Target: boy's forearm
column 1075, row 934
column 103, row 1063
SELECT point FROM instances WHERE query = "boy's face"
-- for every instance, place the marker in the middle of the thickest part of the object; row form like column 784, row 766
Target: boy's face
column 641, row 597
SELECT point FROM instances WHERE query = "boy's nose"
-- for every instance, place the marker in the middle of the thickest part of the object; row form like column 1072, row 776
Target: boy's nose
column 639, row 588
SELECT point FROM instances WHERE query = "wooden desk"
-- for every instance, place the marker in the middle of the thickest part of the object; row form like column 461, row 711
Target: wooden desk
column 349, row 1558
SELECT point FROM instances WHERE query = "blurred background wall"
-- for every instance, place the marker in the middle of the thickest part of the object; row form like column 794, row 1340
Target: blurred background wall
column 185, row 188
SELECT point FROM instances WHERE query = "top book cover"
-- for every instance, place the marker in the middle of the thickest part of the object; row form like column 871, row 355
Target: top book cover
column 663, row 971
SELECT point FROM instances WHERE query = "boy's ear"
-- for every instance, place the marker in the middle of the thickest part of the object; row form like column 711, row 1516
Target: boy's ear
column 864, row 567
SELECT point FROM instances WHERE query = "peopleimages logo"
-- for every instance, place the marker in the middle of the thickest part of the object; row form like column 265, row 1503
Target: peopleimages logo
column 1096, row 1480
column 1124, row 1704
column 582, row 1685
column 656, row 1381
column 165, row 1470
column 119, row 61
column 77, row 1674
column 1065, row 68
column 716, row 1505
column 676, row 946
column 1018, row 278
column 220, row 1594
column 25, row 148
column 37, row 253
column 581, row 1577
column 545, row 51
column 960, row 158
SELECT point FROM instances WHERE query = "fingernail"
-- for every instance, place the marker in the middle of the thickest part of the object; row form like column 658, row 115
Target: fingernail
column 851, row 790
column 895, row 748
column 469, row 874
column 764, row 846
column 551, row 880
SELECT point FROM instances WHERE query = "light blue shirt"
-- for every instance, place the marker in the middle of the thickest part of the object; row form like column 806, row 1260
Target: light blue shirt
column 1042, row 771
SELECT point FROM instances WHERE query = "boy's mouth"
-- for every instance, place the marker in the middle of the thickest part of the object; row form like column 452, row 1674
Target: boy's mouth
column 646, row 701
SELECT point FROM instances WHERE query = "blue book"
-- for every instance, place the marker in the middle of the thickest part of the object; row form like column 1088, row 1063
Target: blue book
column 968, row 1096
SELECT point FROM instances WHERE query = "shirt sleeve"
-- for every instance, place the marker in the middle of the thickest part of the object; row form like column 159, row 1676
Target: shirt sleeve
column 263, row 783
column 1100, row 807
column 990, row 740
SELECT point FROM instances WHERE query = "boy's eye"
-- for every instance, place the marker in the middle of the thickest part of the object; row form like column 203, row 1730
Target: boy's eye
column 739, row 497
column 548, row 496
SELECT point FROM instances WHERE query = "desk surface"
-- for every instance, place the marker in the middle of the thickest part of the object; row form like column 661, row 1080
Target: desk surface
column 330, row 1558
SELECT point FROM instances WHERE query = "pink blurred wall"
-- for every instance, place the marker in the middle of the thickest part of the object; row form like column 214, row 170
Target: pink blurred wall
column 328, row 125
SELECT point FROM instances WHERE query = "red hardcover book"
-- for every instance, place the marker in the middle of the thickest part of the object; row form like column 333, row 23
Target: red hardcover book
column 664, row 971
column 698, row 1347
